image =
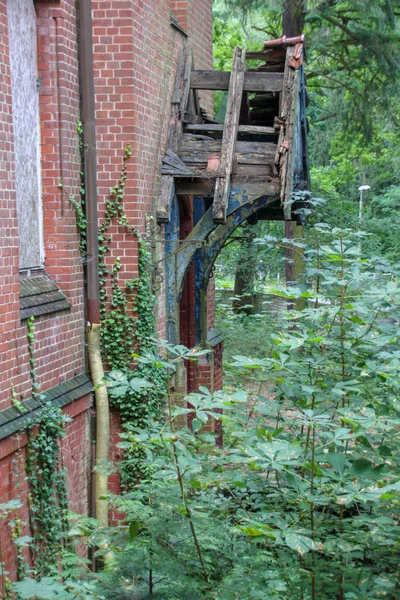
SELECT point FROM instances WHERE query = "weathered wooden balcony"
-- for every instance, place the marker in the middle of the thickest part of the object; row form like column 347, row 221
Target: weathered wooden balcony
column 246, row 168
column 259, row 151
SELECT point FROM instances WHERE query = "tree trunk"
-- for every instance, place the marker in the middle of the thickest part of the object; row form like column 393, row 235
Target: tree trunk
column 294, row 12
column 246, row 267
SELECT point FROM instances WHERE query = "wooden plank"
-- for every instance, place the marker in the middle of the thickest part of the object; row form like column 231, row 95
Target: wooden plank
column 167, row 170
column 193, row 112
column 253, row 81
column 245, row 152
column 172, row 160
column 222, row 184
column 244, row 170
column 253, row 171
column 179, row 105
column 211, row 145
column 200, row 159
column 253, row 187
column 167, row 190
column 200, row 173
column 291, row 126
column 205, row 127
column 251, row 129
column 284, row 157
column 263, row 82
column 257, row 130
column 254, row 158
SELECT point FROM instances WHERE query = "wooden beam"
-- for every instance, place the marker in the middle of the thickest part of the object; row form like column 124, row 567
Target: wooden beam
column 189, row 144
column 199, row 152
column 284, row 158
column 252, row 187
column 222, row 184
column 179, row 102
column 172, row 160
column 291, row 128
column 253, row 81
column 252, row 129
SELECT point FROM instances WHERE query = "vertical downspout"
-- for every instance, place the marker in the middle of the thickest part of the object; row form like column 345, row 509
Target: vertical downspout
column 92, row 267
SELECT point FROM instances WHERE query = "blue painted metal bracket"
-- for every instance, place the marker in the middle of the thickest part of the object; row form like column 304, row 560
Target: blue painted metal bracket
column 239, row 209
column 171, row 249
column 202, row 245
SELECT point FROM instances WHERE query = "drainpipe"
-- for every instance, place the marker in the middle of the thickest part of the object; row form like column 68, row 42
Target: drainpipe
column 92, row 266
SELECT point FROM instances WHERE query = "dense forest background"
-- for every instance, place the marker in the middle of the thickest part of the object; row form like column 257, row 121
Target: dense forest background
column 352, row 69
column 352, row 76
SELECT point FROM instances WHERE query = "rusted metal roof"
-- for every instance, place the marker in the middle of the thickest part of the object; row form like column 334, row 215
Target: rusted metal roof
column 285, row 41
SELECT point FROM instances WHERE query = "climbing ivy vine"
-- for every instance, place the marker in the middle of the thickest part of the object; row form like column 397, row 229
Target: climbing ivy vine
column 127, row 313
column 47, row 490
column 79, row 204
column 30, row 334
column 46, row 478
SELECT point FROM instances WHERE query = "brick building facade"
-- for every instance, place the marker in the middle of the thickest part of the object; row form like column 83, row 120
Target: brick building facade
column 135, row 47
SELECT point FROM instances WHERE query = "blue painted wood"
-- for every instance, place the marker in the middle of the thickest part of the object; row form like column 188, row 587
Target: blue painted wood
column 198, row 212
column 171, row 248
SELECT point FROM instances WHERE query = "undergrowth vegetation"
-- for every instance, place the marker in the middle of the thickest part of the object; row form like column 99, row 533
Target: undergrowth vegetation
column 302, row 502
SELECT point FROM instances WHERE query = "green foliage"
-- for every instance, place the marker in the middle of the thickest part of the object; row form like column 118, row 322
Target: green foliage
column 79, row 204
column 383, row 220
column 302, row 500
column 117, row 320
column 227, row 33
column 47, row 482
column 128, row 324
column 30, row 334
column 47, row 490
column 81, row 222
column 253, row 332
column 7, row 510
column 51, row 589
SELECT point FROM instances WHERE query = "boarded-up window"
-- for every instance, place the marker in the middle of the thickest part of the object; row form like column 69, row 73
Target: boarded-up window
column 25, row 107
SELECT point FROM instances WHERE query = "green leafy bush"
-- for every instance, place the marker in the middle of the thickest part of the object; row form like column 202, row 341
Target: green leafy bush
column 303, row 499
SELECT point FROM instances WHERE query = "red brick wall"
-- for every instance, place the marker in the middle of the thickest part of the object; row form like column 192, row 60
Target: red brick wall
column 76, row 452
column 75, row 448
column 135, row 51
column 13, row 485
column 60, row 337
column 59, row 346
column 9, row 286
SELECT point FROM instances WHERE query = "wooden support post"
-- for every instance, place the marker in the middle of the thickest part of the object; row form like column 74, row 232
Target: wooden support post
column 179, row 101
column 222, row 185
column 287, row 186
column 284, row 158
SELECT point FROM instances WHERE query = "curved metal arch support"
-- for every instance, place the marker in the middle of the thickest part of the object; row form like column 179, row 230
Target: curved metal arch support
column 216, row 241
column 207, row 232
column 210, row 238
column 219, row 236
